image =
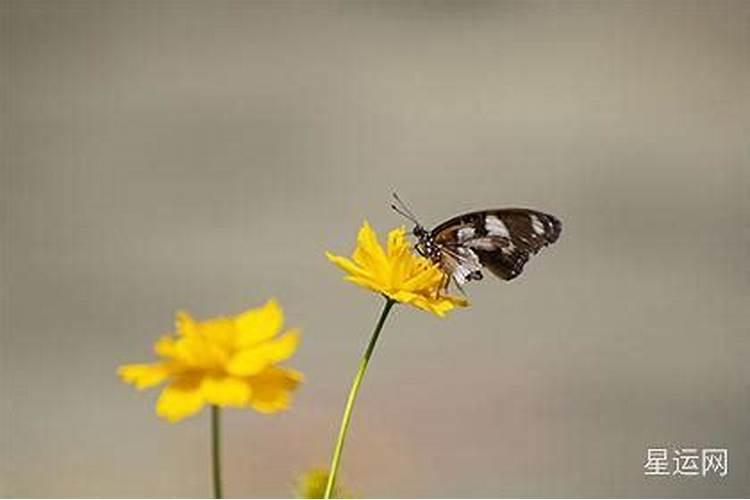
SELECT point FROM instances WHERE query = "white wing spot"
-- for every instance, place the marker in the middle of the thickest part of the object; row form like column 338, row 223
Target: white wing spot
column 537, row 225
column 468, row 263
column 496, row 227
column 487, row 244
column 465, row 233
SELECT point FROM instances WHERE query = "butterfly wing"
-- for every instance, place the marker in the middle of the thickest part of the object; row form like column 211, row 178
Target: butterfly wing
column 501, row 240
column 461, row 264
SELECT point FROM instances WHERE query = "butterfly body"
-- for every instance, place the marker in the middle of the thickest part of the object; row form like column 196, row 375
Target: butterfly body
column 500, row 240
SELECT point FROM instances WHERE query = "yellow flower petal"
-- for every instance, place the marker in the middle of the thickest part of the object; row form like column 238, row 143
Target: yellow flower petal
column 396, row 241
column 247, row 362
column 143, row 376
column 166, row 347
column 225, row 390
column 255, row 359
column 272, row 388
column 370, row 284
column 424, row 278
column 180, row 399
column 257, row 325
column 369, row 253
column 219, row 332
column 347, row 265
column 282, row 348
column 185, row 324
column 194, row 353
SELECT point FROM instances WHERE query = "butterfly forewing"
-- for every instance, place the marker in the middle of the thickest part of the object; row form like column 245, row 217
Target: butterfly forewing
column 501, row 240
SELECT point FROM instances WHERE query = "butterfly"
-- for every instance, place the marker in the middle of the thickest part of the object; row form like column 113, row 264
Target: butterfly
column 500, row 240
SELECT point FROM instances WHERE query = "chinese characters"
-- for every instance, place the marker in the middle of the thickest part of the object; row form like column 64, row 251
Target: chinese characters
column 686, row 462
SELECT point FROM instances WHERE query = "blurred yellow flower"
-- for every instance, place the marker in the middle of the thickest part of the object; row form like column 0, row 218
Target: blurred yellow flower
column 312, row 484
column 224, row 361
column 396, row 272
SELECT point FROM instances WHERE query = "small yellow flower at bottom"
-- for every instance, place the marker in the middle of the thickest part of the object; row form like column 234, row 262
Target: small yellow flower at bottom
column 225, row 361
column 396, row 272
column 312, row 484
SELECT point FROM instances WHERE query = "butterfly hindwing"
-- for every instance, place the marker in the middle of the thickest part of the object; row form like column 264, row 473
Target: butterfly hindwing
column 502, row 240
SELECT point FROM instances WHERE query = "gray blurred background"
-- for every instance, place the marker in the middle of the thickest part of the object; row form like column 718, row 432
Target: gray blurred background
column 204, row 155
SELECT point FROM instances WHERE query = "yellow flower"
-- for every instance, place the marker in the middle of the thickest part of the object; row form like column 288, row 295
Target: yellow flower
column 225, row 361
column 398, row 273
column 312, row 484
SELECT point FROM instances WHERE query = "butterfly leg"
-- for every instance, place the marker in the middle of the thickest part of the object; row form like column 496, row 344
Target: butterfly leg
column 444, row 282
column 458, row 286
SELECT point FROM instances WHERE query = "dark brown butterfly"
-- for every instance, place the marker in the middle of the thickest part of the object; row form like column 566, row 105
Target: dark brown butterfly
column 501, row 240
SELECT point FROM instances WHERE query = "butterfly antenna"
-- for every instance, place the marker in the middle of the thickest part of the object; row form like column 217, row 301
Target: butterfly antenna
column 403, row 214
column 404, row 210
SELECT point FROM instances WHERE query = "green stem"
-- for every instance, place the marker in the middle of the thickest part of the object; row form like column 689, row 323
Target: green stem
column 352, row 397
column 216, row 449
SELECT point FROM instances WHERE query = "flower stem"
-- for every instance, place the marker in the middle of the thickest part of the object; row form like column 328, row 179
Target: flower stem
column 336, row 462
column 216, row 449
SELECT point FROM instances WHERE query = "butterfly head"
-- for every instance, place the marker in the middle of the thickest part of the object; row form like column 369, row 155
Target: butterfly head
column 420, row 232
column 426, row 245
